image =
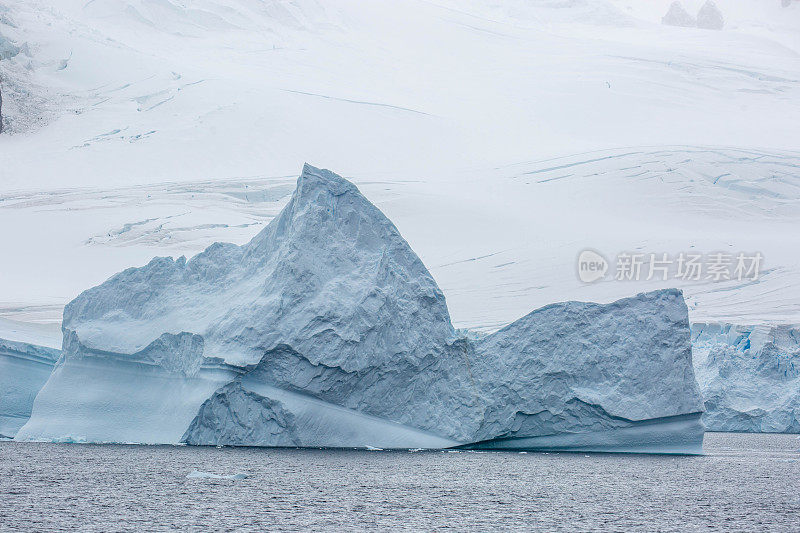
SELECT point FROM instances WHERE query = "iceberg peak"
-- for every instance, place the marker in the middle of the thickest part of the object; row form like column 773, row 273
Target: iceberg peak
column 314, row 179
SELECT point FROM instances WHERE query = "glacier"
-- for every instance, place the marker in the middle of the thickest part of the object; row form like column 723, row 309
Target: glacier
column 749, row 375
column 327, row 330
column 24, row 369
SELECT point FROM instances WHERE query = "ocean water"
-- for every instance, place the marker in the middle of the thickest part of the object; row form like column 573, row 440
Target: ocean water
column 743, row 483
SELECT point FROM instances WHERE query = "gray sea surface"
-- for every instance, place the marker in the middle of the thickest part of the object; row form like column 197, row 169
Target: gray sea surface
column 744, row 482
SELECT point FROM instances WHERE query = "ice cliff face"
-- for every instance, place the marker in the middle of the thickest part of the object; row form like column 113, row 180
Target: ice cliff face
column 24, row 369
column 236, row 416
column 327, row 330
column 750, row 377
column 568, row 376
column 571, row 364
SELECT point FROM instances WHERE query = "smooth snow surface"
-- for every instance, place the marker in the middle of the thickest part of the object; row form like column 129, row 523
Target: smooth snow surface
column 47, row 334
column 149, row 92
column 327, row 330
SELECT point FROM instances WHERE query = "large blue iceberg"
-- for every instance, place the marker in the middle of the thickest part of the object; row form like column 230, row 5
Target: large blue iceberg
column 327, row 330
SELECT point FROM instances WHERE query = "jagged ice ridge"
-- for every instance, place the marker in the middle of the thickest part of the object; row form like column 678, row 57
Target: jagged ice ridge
column 750, row 377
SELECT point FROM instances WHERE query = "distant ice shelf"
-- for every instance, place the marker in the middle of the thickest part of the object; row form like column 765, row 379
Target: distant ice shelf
column 327, row 330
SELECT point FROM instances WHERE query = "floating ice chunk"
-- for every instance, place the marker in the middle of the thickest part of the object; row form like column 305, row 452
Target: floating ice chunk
column 197, row 474
column 66, row 439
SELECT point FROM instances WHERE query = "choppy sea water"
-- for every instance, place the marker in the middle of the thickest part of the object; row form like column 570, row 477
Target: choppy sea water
column 743, row 483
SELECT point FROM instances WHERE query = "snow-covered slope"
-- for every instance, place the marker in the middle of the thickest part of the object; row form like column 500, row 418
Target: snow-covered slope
column 329, row 331
column 750, row 377
column 499, row 242
column 189, row 91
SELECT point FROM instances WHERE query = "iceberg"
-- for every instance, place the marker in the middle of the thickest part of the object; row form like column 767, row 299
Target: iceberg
column 749, row 375
column 197, row 474
column 327, row 330
column 24, row 369
column 587, row 376
column 108, row 397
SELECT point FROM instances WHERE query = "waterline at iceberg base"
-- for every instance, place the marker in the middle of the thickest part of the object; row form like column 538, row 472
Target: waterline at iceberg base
column 327, row 330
